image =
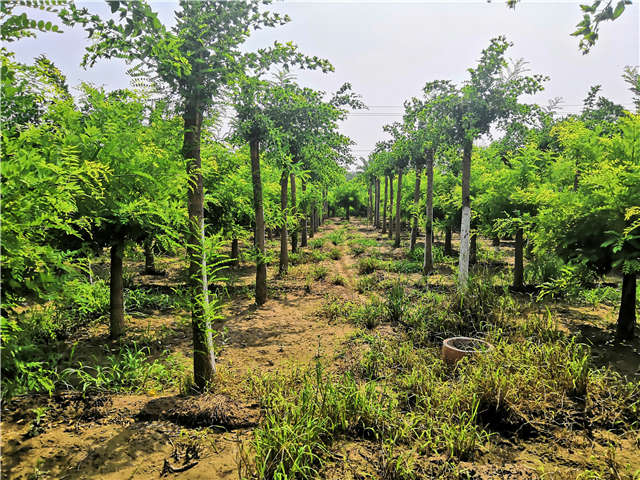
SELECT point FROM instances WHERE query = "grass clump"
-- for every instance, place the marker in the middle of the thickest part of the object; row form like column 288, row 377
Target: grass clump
column 405, row 266
column 319, row 272
column 305, row 413
column 128, row 370
column 396, row 303
column 339, row 280
column 316, row 243
column 368, row 315
column 368, row 265
column 366, row 283
column 337, row 236
column 335, row 254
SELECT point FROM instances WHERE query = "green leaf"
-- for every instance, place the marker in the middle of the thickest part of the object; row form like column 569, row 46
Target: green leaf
column 619, row 9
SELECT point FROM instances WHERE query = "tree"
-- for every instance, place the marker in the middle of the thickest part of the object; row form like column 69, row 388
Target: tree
column 489, row 97
column 598, row 224
column 115, row 132
column 196, row 58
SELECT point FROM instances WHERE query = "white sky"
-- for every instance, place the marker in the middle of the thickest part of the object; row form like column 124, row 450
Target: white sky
column 389, row 50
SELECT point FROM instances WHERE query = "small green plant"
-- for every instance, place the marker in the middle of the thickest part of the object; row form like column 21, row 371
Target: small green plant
column 366, row 283
column 339, row 280
column 368, row 315
column 335, row 254
column 368, row 265
column 337, row 236
column 37, row 424
column 141, row 300
column 126, row 371
column 396, row 303
column 319, row 272
column 316, row 243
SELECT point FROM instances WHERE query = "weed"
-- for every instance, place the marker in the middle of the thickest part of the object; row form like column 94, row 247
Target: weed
column 366, row 283
column 319, row 272
column 126, row 371
column 335, row 254
column 141, row 300
column 37, row 424
column 369, row 314
column 396, row 303
column 368, row 265
column 316, row 243
column 337, row 236
column 339, row 280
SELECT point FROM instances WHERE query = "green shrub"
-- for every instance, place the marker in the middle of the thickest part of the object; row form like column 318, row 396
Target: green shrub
column 27, row 366
column 335, row 254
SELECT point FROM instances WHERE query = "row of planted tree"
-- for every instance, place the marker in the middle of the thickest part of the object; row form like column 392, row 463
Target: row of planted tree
column 111, row 169
column 566, row 189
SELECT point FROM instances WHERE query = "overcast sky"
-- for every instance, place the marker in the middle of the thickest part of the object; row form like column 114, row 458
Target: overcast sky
column 389, row 50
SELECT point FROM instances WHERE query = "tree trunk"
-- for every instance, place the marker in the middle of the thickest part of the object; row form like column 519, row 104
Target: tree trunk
column 116, row 298
column 465, row 225
column 303, row 220
column 448, row 249
column 416, row 200
column 261, row 266
column 284, row 235
column 204, row 361
column 348, row 206
column 391, row 206
column 384, row 205
column 427, row 264
column 235, row 257
column 312, row 229
column 325, row 207
column 369, row 206
column 316, row 220
column 396, row 244
column 518, row 266
column 473, row 249
column 495, row 241
column 377, row 206
column 294, row 211
column 627, row 315
column 149, row 258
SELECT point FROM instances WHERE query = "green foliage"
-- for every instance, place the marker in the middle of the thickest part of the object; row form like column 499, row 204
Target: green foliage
column 125, row 371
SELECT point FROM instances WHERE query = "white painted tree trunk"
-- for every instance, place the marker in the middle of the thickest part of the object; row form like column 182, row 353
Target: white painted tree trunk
column 465, row 228
column 465, row 225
